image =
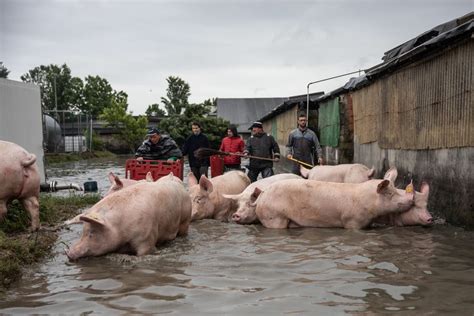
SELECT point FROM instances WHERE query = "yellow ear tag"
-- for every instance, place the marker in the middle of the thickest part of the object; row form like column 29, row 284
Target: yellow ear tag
column 94, row 216
column 409, row 188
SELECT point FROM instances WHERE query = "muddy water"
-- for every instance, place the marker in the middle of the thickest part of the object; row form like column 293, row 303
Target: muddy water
column 228, row 269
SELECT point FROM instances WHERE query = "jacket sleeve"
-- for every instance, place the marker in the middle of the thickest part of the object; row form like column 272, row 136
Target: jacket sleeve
column 317, row 146
column 170, row 150
column 143, row 150
column 241, row 146
column 221, row 148
column 248, row 146
column 185, row 147
column 275, row 148
column 289, row 146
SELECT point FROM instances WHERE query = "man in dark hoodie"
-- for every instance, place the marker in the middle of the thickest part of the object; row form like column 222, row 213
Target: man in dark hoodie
column 261, row 145
column 158, row 147
column 195, row 141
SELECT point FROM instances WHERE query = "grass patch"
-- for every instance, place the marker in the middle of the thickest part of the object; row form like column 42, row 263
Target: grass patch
column 19, row 248
column 55, row 158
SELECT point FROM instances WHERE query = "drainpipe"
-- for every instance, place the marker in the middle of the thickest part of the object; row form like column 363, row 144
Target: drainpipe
column 326, row 79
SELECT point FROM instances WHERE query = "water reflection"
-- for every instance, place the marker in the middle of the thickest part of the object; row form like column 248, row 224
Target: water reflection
column 224, row 268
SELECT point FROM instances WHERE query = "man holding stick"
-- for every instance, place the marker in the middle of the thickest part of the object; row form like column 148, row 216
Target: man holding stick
column 261, row 145
column 302, row 145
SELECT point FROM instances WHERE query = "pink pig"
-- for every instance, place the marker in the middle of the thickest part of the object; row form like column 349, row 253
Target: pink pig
column 344, row 173
column 207, row 196
column 246, row 205
column 20, row 180
column 309, row 203
column 158, row 211
column 418, row 214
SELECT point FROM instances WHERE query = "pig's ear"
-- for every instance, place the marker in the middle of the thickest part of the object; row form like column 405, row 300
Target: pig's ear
column 304, row 172
column 371, row 173
column 233, row 197
column 205, row 184
column 118, row 182
column 383, row 186
column 255, row 194
column 391, row 174
column 425, row 188
column 192, row 179
column 149, row 177
column 93, row 218
column 111, row 177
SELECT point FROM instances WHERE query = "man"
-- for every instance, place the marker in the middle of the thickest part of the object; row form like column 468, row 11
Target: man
column 302, row 144
column 195, row 141
column 261, row 145
column 158, row 147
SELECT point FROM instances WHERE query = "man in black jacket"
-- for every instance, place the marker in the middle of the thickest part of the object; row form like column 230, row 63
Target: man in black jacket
column 158, row 147
column 195, row 141
column 261, row 145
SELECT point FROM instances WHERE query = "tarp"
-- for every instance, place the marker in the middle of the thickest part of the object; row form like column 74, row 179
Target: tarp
column 329, row 123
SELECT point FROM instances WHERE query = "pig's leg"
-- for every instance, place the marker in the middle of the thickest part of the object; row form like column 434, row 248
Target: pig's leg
column 183, row 228
column 31, row 204
column 144, row 248
column 275, row 222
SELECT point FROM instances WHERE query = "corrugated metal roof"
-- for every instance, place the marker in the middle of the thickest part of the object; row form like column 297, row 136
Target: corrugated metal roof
column 429, row 41
column 243, row 111
column 290, row 102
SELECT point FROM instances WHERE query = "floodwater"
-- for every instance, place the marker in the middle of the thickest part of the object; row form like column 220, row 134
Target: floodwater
column 229, row 269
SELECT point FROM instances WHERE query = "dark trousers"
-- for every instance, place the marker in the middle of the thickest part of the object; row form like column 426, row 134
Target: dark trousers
column 199, row 171
column 266, row 172
column 232, row 167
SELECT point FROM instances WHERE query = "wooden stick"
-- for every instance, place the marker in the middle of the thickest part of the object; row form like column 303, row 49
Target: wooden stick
column 301, row 162
column 206, row 152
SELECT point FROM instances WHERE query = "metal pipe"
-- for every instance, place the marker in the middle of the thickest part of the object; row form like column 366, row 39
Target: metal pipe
column 53, row 186
column 326, row 79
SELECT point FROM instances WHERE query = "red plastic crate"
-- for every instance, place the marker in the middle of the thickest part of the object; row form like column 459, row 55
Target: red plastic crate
column 217, row 165
column 137, row 170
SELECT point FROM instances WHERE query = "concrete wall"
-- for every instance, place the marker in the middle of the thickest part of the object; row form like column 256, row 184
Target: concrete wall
column 20, row 118
column 449, row 172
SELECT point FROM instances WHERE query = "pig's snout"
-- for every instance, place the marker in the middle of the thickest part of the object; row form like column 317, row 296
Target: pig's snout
column 236, row 217
column 429, row 221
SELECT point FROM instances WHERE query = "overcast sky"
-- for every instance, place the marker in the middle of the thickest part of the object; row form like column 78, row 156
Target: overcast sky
column 221, row 48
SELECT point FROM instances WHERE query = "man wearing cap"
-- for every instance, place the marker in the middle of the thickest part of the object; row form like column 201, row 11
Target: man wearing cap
column 262, row 145
column 158, row 147
column 303, row 145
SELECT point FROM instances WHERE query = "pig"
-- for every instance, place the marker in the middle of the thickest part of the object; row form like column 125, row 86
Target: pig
column 207, row 195
column 245, row 213
column 345, row 173
column 418, row 214
column 159, row 211
column 116, row 185
column 20, row 180
column 310, row 203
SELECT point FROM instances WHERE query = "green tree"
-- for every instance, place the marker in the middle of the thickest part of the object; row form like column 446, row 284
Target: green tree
column 131, row 129
column 57, row 86
column 179, row 126
column 3, row 71
column 155, row 110
column 177, row 95
column 97, row 95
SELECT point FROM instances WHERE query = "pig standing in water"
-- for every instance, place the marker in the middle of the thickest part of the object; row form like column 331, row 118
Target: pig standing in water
column 309, row 203
column 207, row 195
column 345, row 173
column 158, row 211
column 20, row 180
column 246, row 205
